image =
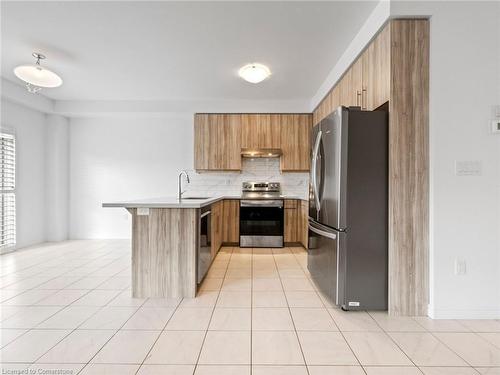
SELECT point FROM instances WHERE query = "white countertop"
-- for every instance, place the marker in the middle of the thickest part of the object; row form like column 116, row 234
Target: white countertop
column 173, row 202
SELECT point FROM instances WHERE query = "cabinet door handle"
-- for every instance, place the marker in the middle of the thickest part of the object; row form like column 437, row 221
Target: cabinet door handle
column 358, row 96
column 364, row 98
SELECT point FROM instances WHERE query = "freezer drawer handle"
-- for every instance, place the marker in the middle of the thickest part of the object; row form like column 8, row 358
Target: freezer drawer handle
column 332, row 236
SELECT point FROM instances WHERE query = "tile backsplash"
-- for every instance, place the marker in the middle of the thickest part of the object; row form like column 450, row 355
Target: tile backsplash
column 258, row 169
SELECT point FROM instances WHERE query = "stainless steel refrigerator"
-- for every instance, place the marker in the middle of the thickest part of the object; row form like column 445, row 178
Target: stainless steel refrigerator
column 348, row 208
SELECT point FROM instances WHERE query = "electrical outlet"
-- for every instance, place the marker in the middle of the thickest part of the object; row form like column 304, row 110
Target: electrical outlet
column 495, row 125
column 460, row 267
column 142, row 211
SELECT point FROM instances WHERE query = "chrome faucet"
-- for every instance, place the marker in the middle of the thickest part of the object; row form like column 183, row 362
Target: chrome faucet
column 179, row 190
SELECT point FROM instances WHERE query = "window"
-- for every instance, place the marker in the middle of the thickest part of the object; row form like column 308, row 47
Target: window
column 7, row 191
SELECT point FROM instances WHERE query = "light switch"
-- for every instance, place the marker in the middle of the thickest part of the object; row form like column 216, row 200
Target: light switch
column 468, row 168
column 460, row 267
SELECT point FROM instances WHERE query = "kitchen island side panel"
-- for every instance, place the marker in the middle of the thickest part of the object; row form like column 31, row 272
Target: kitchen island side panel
column 164, row 244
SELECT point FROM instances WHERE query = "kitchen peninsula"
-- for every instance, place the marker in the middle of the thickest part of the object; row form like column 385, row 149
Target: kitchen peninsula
column 166, row 236
column 164, row 245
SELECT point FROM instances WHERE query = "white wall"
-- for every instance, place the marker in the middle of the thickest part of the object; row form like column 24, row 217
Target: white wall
column 465, row 211
column 29, row 126
column 57, row 178
column 113, row 159
column 35, row 173
column 124, row 158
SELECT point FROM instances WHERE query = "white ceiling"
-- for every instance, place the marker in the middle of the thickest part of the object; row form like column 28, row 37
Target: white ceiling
column 180, row 50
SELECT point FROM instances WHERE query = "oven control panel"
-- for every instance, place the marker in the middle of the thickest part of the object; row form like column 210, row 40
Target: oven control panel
column 261, row 186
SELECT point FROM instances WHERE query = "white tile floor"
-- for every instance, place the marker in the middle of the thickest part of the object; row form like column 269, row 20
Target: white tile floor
column 68, row 307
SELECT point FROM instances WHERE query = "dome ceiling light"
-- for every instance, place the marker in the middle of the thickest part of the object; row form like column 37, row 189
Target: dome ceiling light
column 37, row 77
column 254, row 73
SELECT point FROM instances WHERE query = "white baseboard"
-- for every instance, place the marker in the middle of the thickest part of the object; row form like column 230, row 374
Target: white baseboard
column 463, row 314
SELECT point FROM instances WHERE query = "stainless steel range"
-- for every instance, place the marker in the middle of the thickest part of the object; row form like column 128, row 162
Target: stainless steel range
column 261, row 215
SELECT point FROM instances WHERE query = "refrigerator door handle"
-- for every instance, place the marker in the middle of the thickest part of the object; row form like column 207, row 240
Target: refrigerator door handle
column 323, row 233
column 314, row 169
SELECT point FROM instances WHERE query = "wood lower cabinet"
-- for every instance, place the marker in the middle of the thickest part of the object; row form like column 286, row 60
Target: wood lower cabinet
column 217, row 222
column 231, row 221
column 302, row 221
column 217, row 143
column 295, row 142
column 296, row 216
column 291, row 220
column 260, row 131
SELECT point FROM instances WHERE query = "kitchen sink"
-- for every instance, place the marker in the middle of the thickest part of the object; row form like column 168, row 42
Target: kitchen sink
column 196, row 198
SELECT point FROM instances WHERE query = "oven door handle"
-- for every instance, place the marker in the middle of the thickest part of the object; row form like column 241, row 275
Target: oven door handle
column 262, row 203
column 205, row 214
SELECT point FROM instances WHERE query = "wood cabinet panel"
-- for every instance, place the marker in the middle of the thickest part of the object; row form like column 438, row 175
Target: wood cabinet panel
column 350, row 85
column 291, row 218
column 377, row 70
column 217, row 142
column 270, row 132
column 249, row 131
column 409, row 168
column 295, row 142
column 216, row 227
column 302, row 222
column 260, row 131
column 356, row 82
column 231, row 221
column 347, row 97
column 334, row 99
column 164, row 253
column 201, row 141
column 215, row 133
column 229, row 144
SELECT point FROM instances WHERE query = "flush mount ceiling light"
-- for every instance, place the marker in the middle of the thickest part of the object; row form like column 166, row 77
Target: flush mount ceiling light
column 254, row 73
column 37, row 77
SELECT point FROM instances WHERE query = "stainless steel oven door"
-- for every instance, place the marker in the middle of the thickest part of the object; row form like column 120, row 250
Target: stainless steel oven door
column 261, row 223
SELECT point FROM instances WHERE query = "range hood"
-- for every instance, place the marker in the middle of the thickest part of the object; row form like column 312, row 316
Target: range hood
column 261, row 152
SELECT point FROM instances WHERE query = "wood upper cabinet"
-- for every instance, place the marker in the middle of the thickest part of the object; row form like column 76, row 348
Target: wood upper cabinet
column 357, row 82
column 295, row 142
column 219, row 138
column 231, row 221
column 216, row 220
column 376, row 61
column 366, row 83
column 334, row 99
column 217, row 142
column 260, row 131
column 351, row 85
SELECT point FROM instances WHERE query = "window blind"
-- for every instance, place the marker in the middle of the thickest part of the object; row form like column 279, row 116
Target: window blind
column 7, row 191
